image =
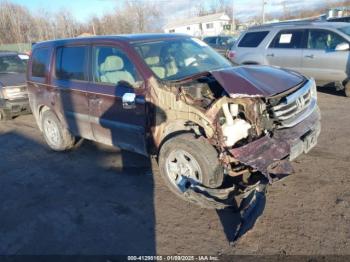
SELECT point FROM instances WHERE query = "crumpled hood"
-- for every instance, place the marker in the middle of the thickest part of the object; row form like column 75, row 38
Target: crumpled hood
column 264, row 81
column 12, row 79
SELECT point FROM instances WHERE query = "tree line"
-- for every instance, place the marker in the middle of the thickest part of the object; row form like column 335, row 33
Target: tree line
column 19, row 25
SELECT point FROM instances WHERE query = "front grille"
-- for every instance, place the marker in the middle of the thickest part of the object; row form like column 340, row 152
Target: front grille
column 294, row 107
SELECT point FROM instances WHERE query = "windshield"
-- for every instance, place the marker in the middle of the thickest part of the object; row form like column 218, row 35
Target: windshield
column 11, row 64
column 345, row 30
column 179, row 58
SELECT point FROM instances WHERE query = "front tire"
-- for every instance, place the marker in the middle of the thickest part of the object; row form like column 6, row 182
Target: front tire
column 185, row 155
column 56, row 136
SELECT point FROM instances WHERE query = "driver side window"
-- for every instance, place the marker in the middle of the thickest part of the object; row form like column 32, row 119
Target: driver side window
column 323, row 40
column 112, row 66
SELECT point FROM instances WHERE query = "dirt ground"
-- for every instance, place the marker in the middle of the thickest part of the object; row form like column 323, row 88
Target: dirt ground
column 99, row 200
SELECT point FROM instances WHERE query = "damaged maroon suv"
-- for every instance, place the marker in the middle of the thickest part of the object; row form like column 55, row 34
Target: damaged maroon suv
column 219, row 133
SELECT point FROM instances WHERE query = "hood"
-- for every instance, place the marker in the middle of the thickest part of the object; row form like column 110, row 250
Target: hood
column 261, row 81
column 12, row 79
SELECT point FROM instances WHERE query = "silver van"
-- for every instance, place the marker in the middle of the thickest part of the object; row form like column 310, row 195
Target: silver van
column 315, row 49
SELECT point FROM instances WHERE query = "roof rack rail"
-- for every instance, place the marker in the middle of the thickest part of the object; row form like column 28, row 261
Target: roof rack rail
column 290, row 22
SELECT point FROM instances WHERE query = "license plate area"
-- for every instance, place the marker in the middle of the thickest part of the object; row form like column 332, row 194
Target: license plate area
column 309, row 140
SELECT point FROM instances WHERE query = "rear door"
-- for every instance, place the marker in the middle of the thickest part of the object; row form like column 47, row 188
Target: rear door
column 285, row 50
column 38, row 79
column 320, row 59
column 116, row 100
column 70, row 80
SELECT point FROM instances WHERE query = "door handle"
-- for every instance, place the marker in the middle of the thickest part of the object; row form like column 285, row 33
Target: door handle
column 129, row 101
column 309, row 56
column 271, row 55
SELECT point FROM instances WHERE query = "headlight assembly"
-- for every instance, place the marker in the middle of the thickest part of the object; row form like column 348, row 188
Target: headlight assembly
column 313, row 89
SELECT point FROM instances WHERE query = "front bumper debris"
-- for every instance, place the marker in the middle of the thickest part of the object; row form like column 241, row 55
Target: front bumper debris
column 218, row 198
column 249, row 204
column 271, row 154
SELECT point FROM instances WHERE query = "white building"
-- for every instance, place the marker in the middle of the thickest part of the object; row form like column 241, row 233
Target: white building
column 208, row 25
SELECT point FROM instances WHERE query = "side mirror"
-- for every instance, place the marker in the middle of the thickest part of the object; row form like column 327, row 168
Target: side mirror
column 342, row 47
column 129, row 101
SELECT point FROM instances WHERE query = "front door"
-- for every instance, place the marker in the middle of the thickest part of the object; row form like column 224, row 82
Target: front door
column 285, row 50
column 320, row 59
column 116, row 100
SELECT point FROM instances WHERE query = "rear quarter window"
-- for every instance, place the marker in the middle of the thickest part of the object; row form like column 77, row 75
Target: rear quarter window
column 253, row 39
column 40, row 62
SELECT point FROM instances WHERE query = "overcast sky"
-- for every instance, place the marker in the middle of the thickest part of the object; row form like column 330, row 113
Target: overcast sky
column 83, row 9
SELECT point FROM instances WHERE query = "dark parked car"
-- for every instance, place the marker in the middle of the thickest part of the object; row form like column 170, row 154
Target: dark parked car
column 220, row 43
column 13, row 90
column 219, row 132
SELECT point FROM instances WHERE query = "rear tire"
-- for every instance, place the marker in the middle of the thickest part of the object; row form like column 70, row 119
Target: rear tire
column 4, row 115
column 56, row 136
column 185, row 155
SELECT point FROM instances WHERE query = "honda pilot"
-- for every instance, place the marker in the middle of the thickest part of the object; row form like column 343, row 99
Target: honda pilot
column 218, row 132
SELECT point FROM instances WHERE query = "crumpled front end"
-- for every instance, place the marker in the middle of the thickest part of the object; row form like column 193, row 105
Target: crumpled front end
column 293, row 128
column 256, row 131
column 255, row 134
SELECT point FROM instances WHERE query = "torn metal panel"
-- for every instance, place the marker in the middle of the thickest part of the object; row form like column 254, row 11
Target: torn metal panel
column 251, row 208
column 171, row 107
column 220, row 198
column 262, row 153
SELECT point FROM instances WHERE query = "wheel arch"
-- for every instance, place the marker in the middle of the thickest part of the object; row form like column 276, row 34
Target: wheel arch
column 177, row 127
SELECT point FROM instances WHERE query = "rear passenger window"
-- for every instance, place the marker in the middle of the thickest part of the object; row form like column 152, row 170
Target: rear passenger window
column 253, row 39
column 288, row 39
column 40, row 62
column 71, row 63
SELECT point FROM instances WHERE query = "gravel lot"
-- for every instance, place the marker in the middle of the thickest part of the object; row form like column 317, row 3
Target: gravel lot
column 99, row 200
